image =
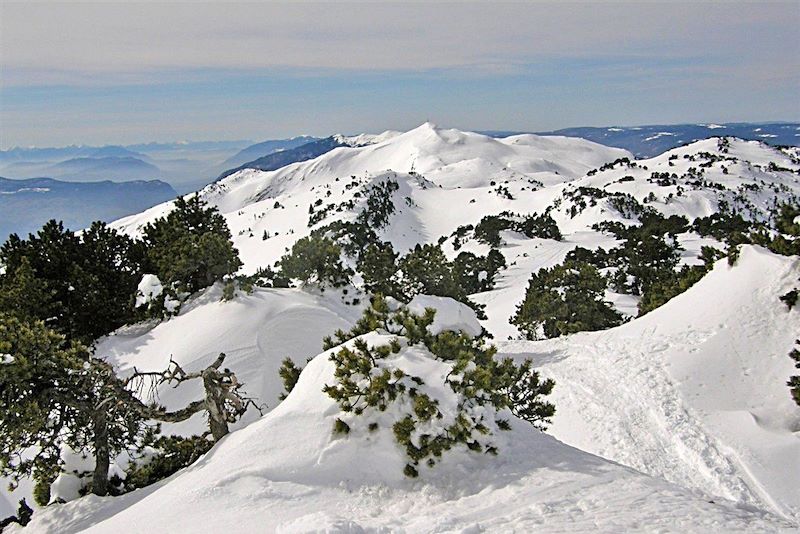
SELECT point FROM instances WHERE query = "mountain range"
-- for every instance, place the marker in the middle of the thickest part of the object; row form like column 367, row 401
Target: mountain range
column 27, row 204
column 676, row 420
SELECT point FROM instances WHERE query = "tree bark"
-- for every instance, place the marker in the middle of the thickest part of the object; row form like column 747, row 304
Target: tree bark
column 215, row 404
column 101, row 454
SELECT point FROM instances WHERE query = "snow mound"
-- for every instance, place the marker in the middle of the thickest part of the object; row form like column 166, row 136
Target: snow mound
column 148, row 289
column 256, row 332
column 694, row 391
column 287, row 472
column 450, row 315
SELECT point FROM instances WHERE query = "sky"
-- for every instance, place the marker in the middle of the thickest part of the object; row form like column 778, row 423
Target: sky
column 122, row 73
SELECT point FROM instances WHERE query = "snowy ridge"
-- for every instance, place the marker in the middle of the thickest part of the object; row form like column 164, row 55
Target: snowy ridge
column 692, row 394
column 270, row 475
column 691, row 391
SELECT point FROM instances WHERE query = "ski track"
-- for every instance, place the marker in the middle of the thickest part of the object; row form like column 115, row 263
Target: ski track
column 650, row 400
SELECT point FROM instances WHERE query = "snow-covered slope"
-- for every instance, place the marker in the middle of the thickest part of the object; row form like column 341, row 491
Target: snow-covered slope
column 256, row 332
column 287, row 472
column 693, row 391
column 447, row 178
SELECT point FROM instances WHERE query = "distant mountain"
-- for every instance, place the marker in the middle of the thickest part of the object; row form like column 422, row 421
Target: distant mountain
column 652, row 140
column 309, row 151
column 104, row 168
column 27, row 204
column 113, row 151
column 53, row 154
column 265, row 148
column 183, row 146
column 280, row 159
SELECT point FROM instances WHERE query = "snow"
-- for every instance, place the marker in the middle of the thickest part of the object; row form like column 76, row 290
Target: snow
column 659, row 134
column 678, row 421
column 694, row 391
column 450, row 315
column 148, row 289
column 287, row 472
column 6, row 358
column 256, row 332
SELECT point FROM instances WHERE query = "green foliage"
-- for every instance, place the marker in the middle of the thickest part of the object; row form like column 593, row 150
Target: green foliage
column 340, row 427
column 316, row 259
column 565, row 299
column 377, row 316
column 289, row 374
column 82, row 286
column 476, row 274
column 525, row 394
column 24, row 295
column 55, row 394
column 378, row 266
column 174, row 453
column 541, row 226
column 352, row 236
column 785, row 220
column 732, row 229
column 532, row 226
column 723, row 226
column 191, row 246
column 670, row 284
column 228, row 290
column 649, row 251
column 379, row 204
column 794, row 381
column 489, row 228
column 41, row 491
column 426, row 270
column 790, row 298
column 367, row 384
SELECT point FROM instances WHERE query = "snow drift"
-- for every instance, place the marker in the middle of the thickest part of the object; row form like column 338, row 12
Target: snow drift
column 694, row 391
column 270, row 475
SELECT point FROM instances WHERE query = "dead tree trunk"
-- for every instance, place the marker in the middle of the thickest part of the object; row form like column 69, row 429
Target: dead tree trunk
column 223, row 402
column 215, row 404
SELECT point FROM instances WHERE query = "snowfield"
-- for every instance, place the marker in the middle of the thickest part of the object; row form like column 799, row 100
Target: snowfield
column 287, row 472
column 693, row 391
column 676, row 421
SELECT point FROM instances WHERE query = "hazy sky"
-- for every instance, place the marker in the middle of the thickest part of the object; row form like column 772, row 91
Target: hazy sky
column 100, row 73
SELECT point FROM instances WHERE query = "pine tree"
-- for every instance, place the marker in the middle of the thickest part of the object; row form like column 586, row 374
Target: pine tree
column 367, row 385
column 426, row 270
column 378, row 266
column 24, row 295
column 82, row 286
column 191, row 246
column 794, row 381
column 476, row 274
column 316, row 259
column 565, row 299
column 54, row 394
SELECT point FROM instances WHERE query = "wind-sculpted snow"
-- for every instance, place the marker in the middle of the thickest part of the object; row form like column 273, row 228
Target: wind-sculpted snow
column 692, row 394
column 256, row 332
column 287, row 472
column 694, row 391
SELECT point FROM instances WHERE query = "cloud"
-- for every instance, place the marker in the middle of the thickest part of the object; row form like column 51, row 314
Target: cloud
column 46, row 43
column 126, row 72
